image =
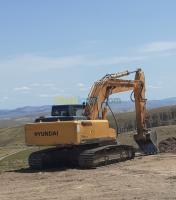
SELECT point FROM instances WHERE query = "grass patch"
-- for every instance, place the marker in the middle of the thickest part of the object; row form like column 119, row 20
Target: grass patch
column 12, row 136
column 16, row 161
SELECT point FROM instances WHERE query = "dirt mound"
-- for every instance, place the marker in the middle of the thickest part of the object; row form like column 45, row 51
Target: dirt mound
column 168, row 145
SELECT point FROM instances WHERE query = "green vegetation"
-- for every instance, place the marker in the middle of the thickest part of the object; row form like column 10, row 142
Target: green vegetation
column 15, row 161
column 163, row 116
column 13, row 151
column 12, row 137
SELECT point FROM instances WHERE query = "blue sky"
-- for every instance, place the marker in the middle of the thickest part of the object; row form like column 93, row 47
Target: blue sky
column 60, row 47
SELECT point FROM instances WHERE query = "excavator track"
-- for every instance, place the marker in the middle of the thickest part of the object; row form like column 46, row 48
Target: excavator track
column 80, row 157
column 37, row 159
column 53, row 157
column 105, row 155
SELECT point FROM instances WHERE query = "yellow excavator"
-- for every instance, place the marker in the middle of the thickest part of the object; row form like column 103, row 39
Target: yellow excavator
column 80, row 135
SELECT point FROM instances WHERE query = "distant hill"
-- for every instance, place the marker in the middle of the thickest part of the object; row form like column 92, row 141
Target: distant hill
column 20, row 116
column 23, row 111
column 161, row 103
column 125, row 106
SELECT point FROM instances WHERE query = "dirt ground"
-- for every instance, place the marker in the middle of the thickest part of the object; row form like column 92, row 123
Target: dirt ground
column 149, row 177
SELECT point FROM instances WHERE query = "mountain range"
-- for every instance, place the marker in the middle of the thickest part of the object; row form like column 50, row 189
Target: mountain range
column 121, row 106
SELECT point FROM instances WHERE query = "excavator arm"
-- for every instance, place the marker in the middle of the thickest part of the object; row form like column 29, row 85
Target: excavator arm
column 102, row 89
column 111, row 84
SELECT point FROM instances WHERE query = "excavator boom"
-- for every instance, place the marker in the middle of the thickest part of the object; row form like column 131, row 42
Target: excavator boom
column 111, row 84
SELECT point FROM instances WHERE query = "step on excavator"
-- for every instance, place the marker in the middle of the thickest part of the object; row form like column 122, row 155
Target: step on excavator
column 80, row 135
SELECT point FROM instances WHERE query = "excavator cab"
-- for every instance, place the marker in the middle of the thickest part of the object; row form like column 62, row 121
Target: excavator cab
column 67, row 110
column 64, row 113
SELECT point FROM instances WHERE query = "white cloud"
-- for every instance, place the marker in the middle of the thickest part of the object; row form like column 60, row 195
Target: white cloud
column 35, row 84
column 62, row 90
column 22, row 88
column 5, row 98
column 30, row 61
column 44, row 85
column 91, row 43
column 44, row 95
column 80, row 85
column 116, row 60
column 154, row 86
column 37, row 63
column 83, row 89
column 48, row 84
column 159, row 46
column 48, row 95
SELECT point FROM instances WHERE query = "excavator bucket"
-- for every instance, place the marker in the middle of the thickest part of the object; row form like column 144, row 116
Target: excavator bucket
column 147, row 144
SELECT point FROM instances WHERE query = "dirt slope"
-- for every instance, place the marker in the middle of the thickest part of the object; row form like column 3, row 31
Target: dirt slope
column 150, row 177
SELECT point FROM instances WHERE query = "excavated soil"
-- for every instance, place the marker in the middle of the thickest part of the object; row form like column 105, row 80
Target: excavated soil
column 149, row 177
column 168, row 145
